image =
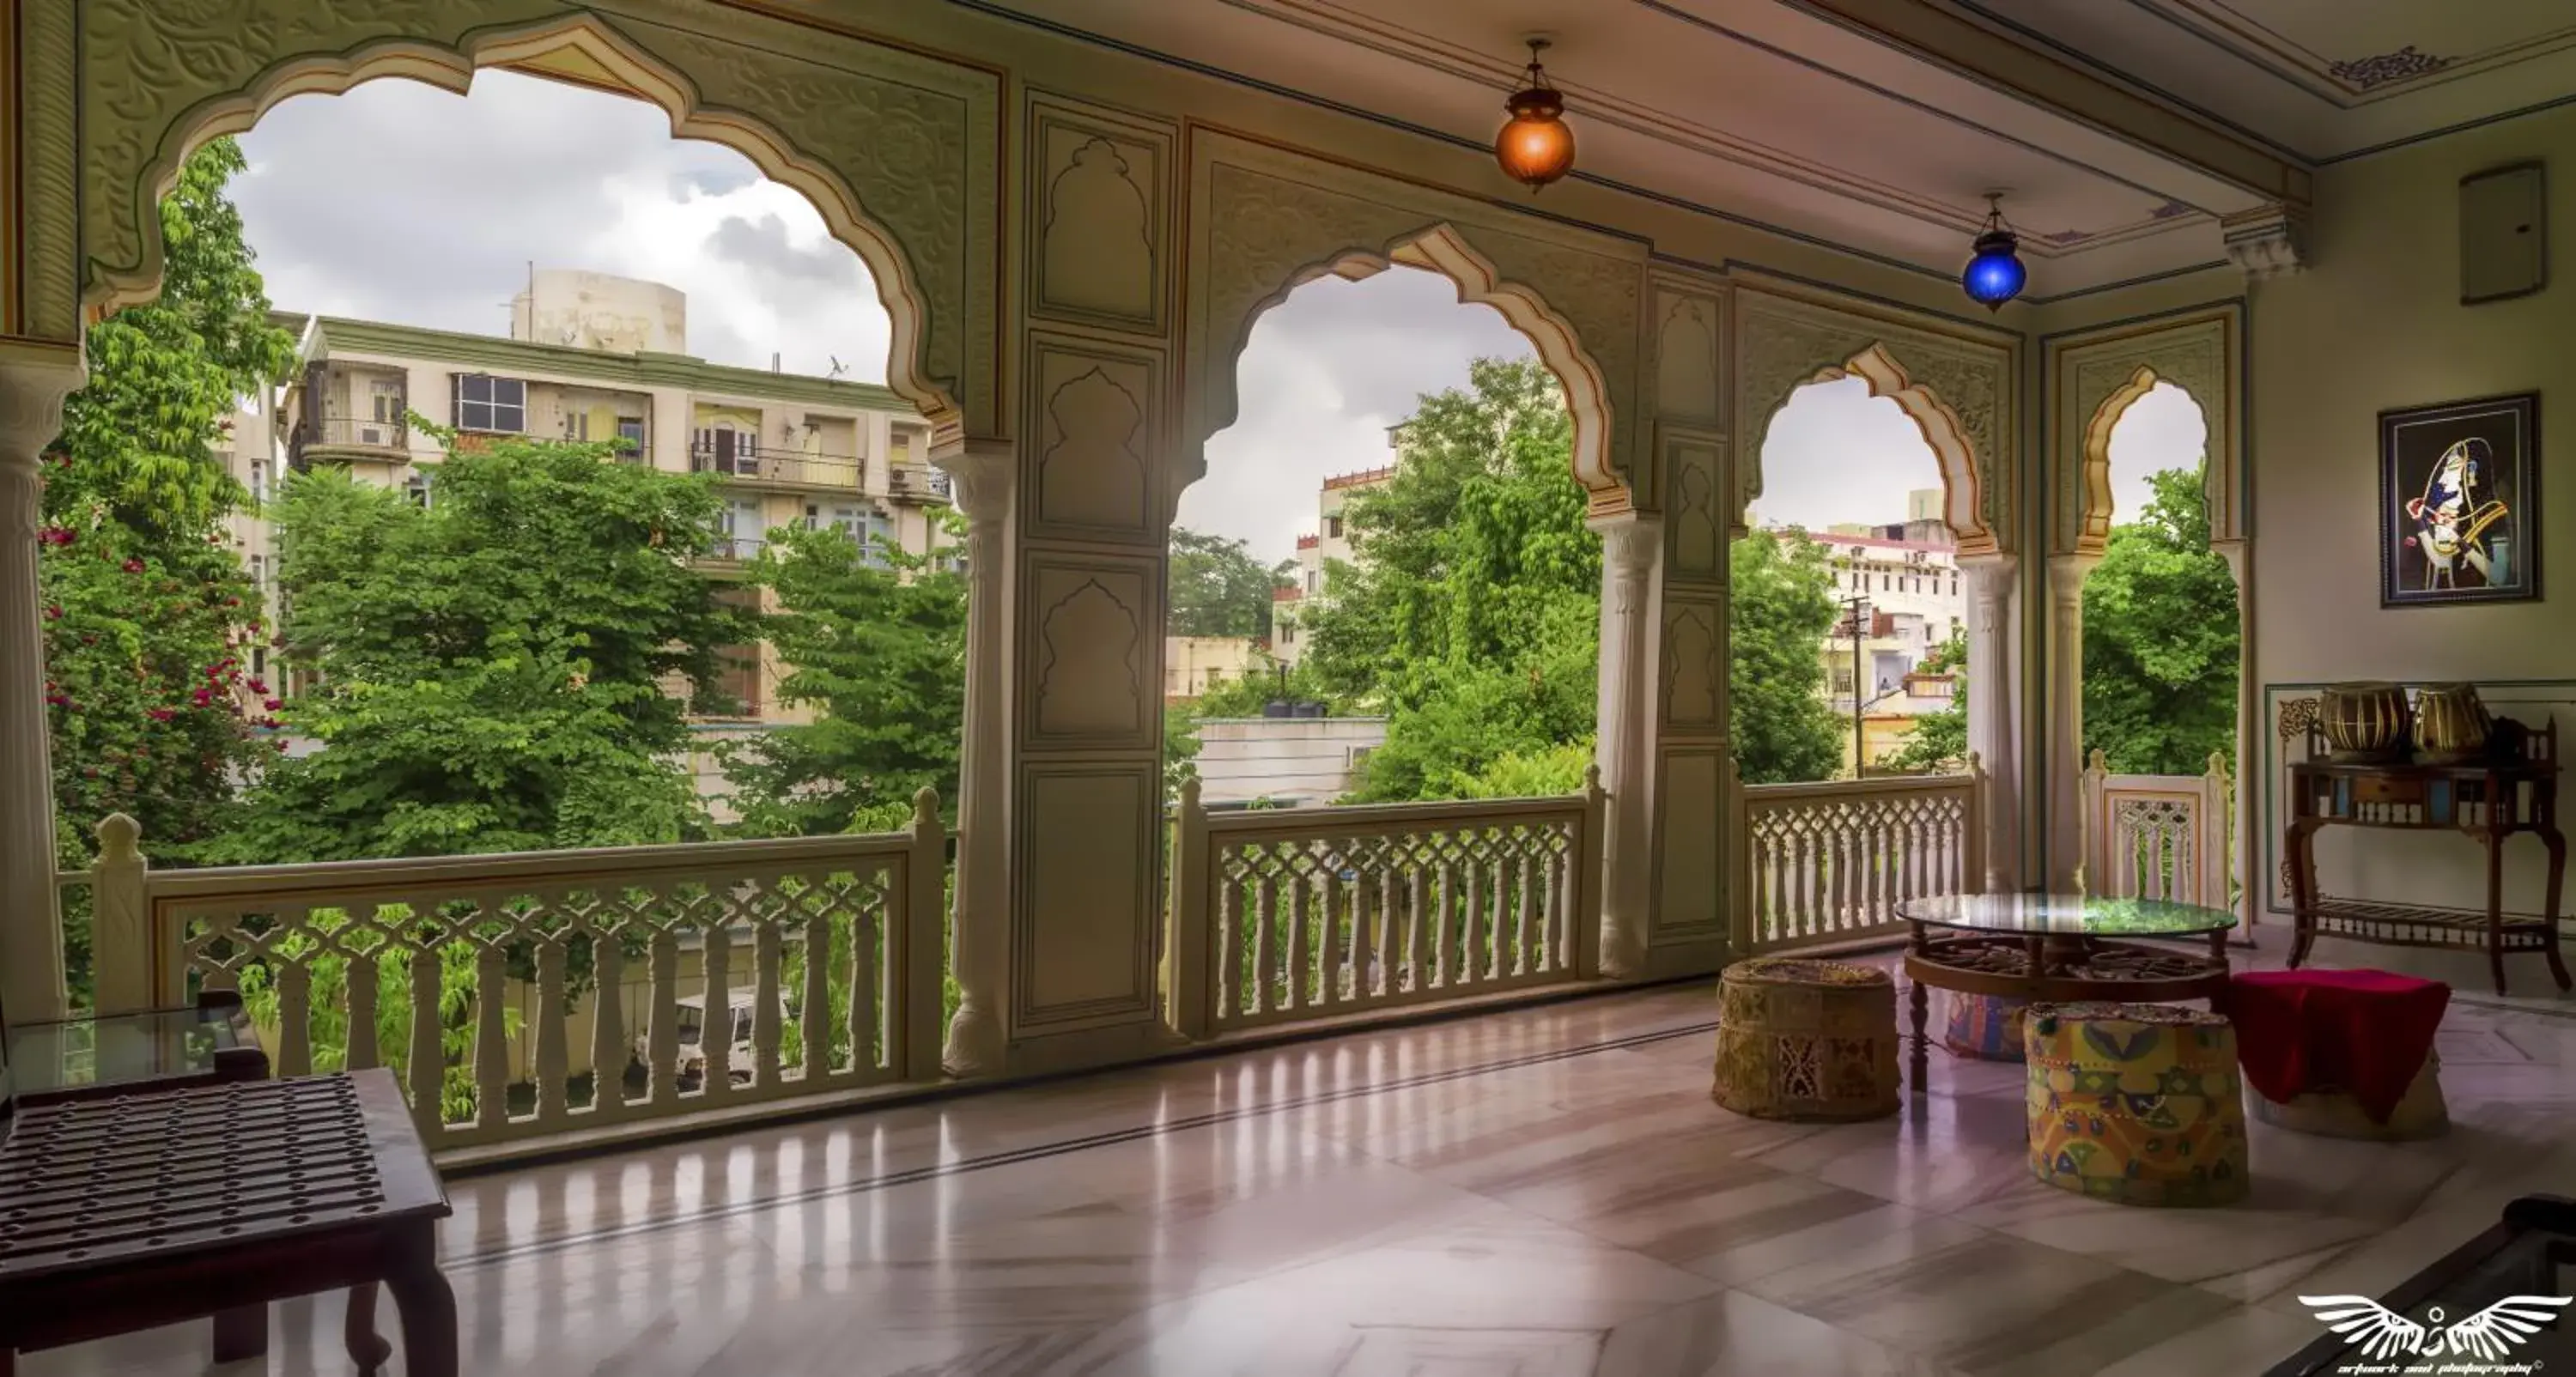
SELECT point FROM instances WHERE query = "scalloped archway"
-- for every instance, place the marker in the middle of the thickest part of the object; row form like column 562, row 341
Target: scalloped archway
column 925, row 360
column 1443, row 250
column 1962, row 494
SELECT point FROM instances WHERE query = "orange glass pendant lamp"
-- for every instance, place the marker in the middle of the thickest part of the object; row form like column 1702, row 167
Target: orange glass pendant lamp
column 1535, row 147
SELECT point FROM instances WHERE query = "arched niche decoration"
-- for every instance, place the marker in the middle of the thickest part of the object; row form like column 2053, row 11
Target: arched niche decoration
column 1266, row 221
column 898, row 151
column 1957, row 389
column 2095, row 382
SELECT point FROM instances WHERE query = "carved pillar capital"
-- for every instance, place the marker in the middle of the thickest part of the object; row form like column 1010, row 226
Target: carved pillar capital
column 2267, row 241
column 980, row 474
column 31, row 937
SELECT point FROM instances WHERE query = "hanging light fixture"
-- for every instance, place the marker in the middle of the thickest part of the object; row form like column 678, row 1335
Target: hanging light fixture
column 1995, row 273
column 1534, row 146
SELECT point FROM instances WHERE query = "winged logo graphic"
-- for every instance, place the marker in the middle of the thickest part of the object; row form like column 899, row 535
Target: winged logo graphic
column 2383, row 1333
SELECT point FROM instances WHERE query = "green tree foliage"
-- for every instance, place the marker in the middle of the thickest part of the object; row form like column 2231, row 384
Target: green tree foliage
column 875, row 642
column 1784, row 606
column 148, row 618
column 2160, row 639
column 1471, row 615
column 490, row 671
column 1218, row 588
column 1939, row 739
column 142, row 437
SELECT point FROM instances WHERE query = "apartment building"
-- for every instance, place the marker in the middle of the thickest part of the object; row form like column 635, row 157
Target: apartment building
column 596, row 358
column 1316, row 552
column 1906, row 578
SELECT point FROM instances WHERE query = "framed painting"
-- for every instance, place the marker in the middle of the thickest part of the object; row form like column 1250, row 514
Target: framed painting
column 2459, row 502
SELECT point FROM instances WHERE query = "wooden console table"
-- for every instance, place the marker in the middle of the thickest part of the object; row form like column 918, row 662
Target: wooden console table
column 2486, row 801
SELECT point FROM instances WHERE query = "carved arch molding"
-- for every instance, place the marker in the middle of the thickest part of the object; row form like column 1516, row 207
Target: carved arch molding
column 1266, row 220
column 1959, row 387
column 899, row 150
column 2092, row 381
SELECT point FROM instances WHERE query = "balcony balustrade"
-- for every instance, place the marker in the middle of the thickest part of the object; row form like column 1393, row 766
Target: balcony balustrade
column 350, row 432
column 916, row 483
column 537, row 1000
column 1827, row 863
column 783, row 468
column 524, row 997
column 2159, row 836
column 1286, row 916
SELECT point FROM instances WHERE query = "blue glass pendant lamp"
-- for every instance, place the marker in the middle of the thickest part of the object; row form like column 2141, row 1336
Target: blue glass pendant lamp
column 1995, row 273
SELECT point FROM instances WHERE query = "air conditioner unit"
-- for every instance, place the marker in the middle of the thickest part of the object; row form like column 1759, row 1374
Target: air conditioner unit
column 371, row 435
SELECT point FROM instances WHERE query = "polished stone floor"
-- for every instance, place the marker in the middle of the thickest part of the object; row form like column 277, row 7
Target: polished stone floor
column 1540, row 1192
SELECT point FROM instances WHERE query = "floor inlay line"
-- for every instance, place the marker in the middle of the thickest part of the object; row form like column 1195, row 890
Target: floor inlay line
column 911, row 1175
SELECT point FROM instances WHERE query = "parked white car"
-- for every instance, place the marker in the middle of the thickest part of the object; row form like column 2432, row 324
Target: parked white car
column 693, row 1054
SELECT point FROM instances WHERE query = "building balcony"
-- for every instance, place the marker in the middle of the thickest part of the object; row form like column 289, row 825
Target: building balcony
column 916, row 483
column 799, row 469
column 349, row 438
column 731, row 551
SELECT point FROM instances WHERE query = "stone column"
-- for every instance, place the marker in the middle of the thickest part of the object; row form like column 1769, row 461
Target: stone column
column 981, row 475
column 2066, row 574
column 31, row 930
column 2249, row 716
column 1624, row 740
column 1990, row 712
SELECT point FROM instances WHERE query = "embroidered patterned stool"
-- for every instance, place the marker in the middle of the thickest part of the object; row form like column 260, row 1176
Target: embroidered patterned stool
column 2139, row 1104
column 1802, row 1039
column 1986, row 1027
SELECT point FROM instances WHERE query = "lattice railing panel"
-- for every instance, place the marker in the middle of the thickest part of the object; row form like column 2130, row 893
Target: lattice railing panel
column 1830, row 862
column 535, row 993
column 1307, row 913
column 2159, row 836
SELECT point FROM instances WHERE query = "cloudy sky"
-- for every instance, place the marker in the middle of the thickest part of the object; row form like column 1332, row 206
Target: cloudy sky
column 401, row 202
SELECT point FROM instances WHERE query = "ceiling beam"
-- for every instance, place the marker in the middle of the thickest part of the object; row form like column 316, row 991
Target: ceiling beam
column 1937, row 34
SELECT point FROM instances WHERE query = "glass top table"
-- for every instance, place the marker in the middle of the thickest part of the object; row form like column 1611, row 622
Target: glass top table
column 2061, row 948
column 2066, row 915
column 157, row 1049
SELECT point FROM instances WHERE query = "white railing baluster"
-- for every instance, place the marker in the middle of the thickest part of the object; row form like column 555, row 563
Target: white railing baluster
column 715, row 1020
column 1229, row 951
column 1264, row 941
column 1329, row 911
column 662, row 1035
column 608, row 1049
column 425, row 1063
column 491, row 1039
column 867, row 978
column 764, row 994
column 814, row 1002
column 552, row 1063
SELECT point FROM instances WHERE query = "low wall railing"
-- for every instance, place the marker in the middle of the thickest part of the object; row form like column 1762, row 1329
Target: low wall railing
column 2159, row 836
column 1828, row 862
column 1290, row 915
column 538, row 993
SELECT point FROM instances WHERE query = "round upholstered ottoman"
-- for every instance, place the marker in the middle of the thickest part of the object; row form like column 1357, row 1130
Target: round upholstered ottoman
column 1986, row 1027
column 2139, row 1104
column 1800, row 1039
column 2421, row 1113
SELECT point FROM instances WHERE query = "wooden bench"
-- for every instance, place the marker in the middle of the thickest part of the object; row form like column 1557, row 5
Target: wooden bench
column 133, row 1212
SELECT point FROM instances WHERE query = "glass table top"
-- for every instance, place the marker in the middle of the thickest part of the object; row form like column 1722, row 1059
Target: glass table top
column 2067, row 915
column 122, row 1049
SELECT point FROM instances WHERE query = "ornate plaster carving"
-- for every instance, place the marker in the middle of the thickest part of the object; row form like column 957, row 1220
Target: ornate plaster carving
column 1089, row 469
column 1693, row 676
column 1100, row 182
column 2380, row 69
column 1959, row 389
column 1693, row 467
column 48, row 210
column 1267, row 220
column 2095, row 383
column 2267, row 241
column 1686, row 344
column 1090, row 671
column 897, row 149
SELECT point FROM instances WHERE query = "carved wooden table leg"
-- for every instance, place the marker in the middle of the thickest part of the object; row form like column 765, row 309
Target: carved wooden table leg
column 367, row 1348
column 428, row 1307
column 241, row 1334
column 1922, row 1063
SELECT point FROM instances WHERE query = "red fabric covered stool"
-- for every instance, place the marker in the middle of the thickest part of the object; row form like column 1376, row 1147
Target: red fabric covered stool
column 2348, row 1053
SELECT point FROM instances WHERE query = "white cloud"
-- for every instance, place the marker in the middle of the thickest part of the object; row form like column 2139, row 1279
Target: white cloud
column 1836, row 454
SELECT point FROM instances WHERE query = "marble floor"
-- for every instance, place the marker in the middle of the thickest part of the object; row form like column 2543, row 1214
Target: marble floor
column 1540, row 1192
